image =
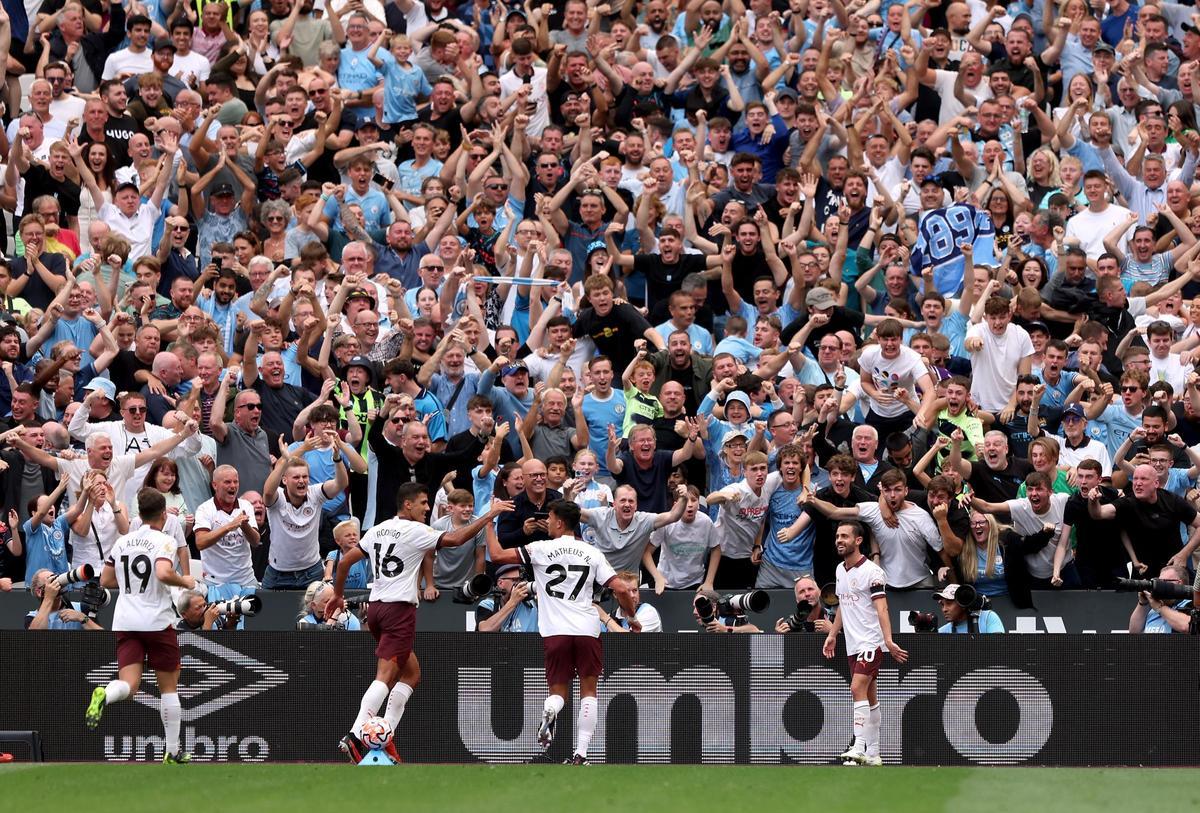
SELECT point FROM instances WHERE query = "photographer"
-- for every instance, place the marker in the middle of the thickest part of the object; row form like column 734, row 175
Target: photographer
column 718, row 622
column 510, row 607
column 807, row 593
column 316, row 598
column 958, row 616
column 646, row 615
column 54, row 613
column 1152, row 615
column 195, row 614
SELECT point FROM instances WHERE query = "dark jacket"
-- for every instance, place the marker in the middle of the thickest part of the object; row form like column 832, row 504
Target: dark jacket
column 95, row 46
column 510, row 531
column 701, row 372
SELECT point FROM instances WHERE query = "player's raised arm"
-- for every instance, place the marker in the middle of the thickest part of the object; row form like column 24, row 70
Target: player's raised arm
column 452, row 539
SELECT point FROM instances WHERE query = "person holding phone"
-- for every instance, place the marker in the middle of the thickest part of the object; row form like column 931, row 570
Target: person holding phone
column 527, row 522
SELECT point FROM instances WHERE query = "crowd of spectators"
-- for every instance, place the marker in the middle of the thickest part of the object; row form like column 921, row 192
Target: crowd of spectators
column 723, row 273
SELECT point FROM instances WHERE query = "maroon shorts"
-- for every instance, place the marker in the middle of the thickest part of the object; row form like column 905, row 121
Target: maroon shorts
column 394, row 625
column 866, row 663
column 570, row 655
column 158, row 649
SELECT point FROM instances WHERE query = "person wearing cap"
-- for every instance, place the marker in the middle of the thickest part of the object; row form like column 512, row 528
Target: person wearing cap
column 222, row 214
column 958, row 617
column 135, row 58
column 1077, row 445
column 511, row 607
column 127, row 215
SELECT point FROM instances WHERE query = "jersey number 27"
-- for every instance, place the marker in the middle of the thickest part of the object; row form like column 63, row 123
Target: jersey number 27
column 559, row 573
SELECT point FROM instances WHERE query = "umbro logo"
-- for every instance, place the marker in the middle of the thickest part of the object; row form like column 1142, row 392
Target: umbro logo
column 214, row 677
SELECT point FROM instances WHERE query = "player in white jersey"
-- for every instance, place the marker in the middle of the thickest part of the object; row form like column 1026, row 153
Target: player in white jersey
column 141, row 566
column 395, row 550
column 566, row 570
column 863, row 614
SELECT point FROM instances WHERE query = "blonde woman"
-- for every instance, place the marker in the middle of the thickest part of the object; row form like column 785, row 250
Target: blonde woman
column 1043, row 173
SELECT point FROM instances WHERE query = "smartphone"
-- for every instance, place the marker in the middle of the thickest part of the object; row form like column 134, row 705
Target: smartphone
column 541, row 516
column 381, row 181
column 219, row 262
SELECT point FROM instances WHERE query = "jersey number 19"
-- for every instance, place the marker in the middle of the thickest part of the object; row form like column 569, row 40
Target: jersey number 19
column 140, row 567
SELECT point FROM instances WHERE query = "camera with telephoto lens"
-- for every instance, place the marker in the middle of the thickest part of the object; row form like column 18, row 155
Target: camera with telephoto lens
column 923, row 622
column 82, row 573
column 705, row 610
column 1160, row 589
column 473, row 589
column 93, row 599
column 756, row 601
column 242, row 605
column 799, row 619
column 356, row 605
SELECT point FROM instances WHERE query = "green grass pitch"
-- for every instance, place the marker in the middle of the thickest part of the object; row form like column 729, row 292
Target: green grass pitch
column 490, row 789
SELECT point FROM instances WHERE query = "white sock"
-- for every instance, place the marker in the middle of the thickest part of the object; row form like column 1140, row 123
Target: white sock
column 862, row 711
column 396, row 702
column 171, row 713
column 588, row 713
column 553, row 705
column 115, row 691
column 373, row 698
column 874, row 719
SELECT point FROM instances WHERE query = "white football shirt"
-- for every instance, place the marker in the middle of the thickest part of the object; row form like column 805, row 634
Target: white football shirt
column 857, row 588
column 395, row 549
column 294, row 529
column 566, row 570
column 143, row 602
column 228, row 560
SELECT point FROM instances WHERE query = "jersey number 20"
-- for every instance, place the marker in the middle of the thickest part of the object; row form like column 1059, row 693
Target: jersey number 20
column 560, row 575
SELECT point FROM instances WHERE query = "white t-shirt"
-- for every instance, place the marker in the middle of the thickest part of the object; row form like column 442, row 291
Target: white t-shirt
column 891, row 375
column 902, row 549
column 540, row 118
column 191, row 63
column 138, row 230
column 1169, row 370
column 566, row 570
column 395, row 549
column 649, row 618
column 294, row 530
column 120, row 470
column 126, row 61
column 857, row 589
column 1090, row 227
column 951, row 106
column 1092, row 450
column 226, row 561
column 684, row 548
column 740, row 519
column 1026, row 523
column 994, row 367
column 143, row 602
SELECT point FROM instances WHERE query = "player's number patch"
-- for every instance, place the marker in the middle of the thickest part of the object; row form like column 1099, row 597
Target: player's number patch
column 387, row 565
column 139, row 566
column 560, row 575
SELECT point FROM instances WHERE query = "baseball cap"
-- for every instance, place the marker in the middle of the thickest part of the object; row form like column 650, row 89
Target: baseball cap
column 1104, row 46
column 946, row 592
column 597, row 245
column 1189, row 29
column 734, row 435
column 163, row 44
column 1074, row 409
column 127, row 185
column 223, row 189
column 504, row 570
column 786, row 93
column 366, row 364
column 514, row 368
column 738, row 397
column 1036, row 326
column 366, row 123
column 360, row 293
column 820, row 298
column 104, row 385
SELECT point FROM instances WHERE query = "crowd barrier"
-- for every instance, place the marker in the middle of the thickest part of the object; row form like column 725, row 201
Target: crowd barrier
column 1053, row 612
column 747, row 699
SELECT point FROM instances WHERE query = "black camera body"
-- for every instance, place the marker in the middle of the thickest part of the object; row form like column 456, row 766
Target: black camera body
column 92, row 599
column 473, row 589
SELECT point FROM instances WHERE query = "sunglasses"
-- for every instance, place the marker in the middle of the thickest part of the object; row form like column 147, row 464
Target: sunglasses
column 1131, row 389
column 252, row 406
column 134, row 410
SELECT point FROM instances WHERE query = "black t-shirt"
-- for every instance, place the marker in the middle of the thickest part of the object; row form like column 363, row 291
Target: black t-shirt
column 1017, row 430
column 662, row 279
column 998, row 486
column 1098, row 547
column 451, row 122
column 614, row 333
column 840, row 319
column 37, row 293
column 322, row 169
column 39, row 181
column 1153, row 528
column 1185, row 427
column 280, row 408
column 630, row 104
column 122, row 369
column 650, row 484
